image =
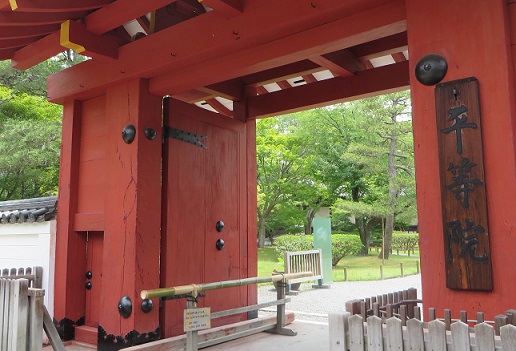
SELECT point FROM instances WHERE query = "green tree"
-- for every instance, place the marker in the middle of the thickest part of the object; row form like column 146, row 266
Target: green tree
column 385, row 153
column 30, row 132
column 347, row 155
column 328, row 131
column 33, row 81
column 281, row 157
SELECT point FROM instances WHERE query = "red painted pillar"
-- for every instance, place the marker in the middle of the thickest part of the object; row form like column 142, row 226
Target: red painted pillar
column 252, row 203
column 131, row 245
column 250, row 268
column 70, row 262
column 473, row 36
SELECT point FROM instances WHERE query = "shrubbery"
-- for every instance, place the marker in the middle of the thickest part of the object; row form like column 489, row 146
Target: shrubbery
column 342, row 245
column 292, row 242
column 405, row 241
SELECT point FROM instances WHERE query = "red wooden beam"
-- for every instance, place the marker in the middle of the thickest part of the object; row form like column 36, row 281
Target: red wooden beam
column 15, row 43
column 5, row 5
column 342, row 33
column 231, row 89
column 228, row 8
column 255, row 90
column 35, row 53
column 219, row 107
column 99, row 22
column 26, row 32
column 261, row 90
column 366, row 83
column 272, row 75
column 193, row 96
column 367, row 64
column 342, row 63
column 309, row 78
column 399, row 57
column 75, row 36
column 6, row 54
column 55, row 5
column 381, row 47
column 119, row 12
column 284, row 84
column 144, row 23
column 15, row 19
column 195, row 59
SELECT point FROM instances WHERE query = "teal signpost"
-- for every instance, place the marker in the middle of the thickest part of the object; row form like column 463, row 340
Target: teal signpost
column 322, row 240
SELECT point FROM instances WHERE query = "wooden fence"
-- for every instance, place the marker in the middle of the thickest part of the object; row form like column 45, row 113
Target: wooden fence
column 33, row 274
column 23, row 315
column 374, row 333
column 399, row 303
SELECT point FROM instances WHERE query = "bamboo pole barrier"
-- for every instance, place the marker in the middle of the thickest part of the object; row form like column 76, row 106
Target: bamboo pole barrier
column 186, row 289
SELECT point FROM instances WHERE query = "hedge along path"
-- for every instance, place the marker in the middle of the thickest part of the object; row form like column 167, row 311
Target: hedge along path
column 342, row 245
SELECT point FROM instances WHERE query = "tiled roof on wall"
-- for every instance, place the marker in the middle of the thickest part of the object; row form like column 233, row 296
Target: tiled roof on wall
column 28, row 210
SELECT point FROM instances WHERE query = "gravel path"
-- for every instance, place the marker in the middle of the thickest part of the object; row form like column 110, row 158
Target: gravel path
column 315, row 304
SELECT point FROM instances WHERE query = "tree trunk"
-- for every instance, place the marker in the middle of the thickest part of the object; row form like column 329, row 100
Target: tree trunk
column 261, row 231
column 387, row 239
column 365, row 236
column 310, row 213
column 393, row 196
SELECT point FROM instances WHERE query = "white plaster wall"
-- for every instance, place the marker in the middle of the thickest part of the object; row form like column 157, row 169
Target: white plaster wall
column 27, row 245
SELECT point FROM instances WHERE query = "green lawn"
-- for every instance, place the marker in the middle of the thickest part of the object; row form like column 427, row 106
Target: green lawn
column 358, row 268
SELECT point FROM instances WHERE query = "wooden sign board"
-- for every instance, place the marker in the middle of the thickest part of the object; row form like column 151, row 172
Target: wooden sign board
column 197, row 319
column 463, row 190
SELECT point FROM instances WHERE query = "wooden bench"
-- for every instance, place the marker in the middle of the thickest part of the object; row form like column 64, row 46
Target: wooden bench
column 23, row 315
column 303, row 261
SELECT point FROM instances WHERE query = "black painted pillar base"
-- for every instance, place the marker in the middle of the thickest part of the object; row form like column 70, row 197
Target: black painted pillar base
column 110, row 342
column 66, row 327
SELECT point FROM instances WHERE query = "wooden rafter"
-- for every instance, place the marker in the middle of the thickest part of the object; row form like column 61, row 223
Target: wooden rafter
column 231, row 89
column 14, row 19
column 27, row 32
column 367, row 64
column 288, row 49
column 119, row 12
column 399, row 57
column 144, row 23
column 195, row 59
column 101, row 21
column 14, row 43
column 6, row 54
column 384, row 46
column 55, row 5
column 219, row 107
column 261, row 90
column 228, row 8
column 75, row 36
column 272, row 75
column 342, row 63
column 366, row 83
column 309, row 78
column 177, row 12
column 193, row 96
column 35, row 53
column 284, row 84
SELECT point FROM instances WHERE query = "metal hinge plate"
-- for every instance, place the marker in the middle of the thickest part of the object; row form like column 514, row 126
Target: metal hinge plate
column 187, row 137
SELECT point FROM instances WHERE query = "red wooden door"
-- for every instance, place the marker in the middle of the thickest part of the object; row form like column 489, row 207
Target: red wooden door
column 203, row 186
column 93, row 278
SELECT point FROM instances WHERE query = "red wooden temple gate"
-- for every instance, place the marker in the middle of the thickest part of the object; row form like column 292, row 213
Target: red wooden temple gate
column 144, row 214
